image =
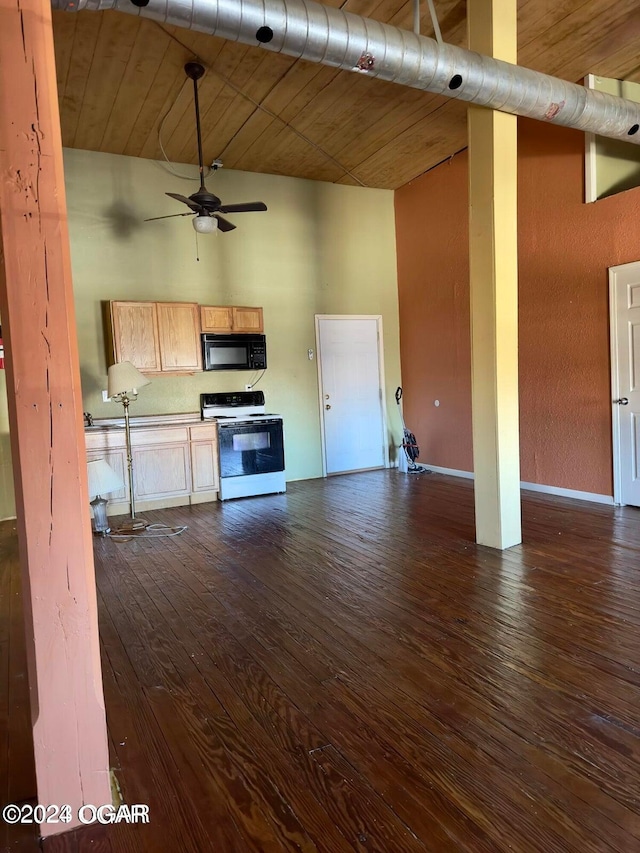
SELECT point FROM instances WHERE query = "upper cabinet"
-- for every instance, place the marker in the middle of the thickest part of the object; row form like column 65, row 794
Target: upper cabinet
column 164, row 337
column 214, row 318
column 179, row 336
column 248, row 320
column 226, row 320
column 134, row 330
column 156, row 337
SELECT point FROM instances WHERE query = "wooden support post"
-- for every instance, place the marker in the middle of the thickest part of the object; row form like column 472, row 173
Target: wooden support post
column 45, row 416
column 493, row 249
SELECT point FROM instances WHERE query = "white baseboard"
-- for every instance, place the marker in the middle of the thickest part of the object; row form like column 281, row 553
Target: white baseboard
column 8, row 518
column 452, row 472
column 568, row 493
column 535, row 487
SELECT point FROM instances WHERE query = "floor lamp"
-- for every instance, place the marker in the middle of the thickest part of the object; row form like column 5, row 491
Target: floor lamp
column 123, row 384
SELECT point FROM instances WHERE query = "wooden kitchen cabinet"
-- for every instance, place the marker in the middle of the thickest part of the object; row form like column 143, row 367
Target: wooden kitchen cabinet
column 134, row 334
column 161, row 471
column 248, row 320
column 156, row 337
column 174, row 463
column 179, row 336
column 204, row 458
column 216, row 319
column 221, row 320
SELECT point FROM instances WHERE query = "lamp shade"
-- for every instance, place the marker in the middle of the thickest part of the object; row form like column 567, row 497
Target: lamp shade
column 102, row 478
column 124, row 377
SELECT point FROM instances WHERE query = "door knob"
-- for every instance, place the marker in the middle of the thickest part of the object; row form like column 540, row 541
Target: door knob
column 623, row 401
column 328, row 406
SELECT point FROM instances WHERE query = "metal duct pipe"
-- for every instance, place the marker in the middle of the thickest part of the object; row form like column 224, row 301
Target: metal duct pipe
column 318, row 33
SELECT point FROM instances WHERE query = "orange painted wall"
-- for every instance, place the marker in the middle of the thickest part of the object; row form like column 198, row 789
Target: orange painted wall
column 565, row 248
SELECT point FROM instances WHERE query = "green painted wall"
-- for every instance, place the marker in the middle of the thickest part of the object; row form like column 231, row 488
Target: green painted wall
column 320, row 249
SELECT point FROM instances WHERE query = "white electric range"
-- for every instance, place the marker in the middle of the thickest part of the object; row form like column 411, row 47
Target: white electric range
column 250, row 444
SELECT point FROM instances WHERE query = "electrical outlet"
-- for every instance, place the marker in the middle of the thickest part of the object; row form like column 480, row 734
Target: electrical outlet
column 105, row 397
column 247, row 387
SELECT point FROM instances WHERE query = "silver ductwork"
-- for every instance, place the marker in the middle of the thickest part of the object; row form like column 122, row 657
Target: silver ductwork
column 317, row 33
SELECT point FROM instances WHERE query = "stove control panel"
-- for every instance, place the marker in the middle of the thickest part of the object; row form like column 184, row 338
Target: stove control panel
column 232, row 400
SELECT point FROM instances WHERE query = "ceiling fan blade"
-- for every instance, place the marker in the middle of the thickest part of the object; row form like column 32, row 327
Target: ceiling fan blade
column 224, row 224
column 185, row 200
column 247, row 207
column 170, row 216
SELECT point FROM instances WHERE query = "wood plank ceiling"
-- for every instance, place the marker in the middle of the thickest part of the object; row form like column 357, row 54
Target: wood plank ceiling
column 121, row 80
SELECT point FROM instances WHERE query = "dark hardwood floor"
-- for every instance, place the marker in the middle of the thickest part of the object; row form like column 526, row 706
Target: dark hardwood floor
column 342, row 668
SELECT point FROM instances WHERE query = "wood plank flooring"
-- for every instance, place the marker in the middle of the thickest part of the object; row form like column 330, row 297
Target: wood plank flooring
column 341, row 668
column 17, row 772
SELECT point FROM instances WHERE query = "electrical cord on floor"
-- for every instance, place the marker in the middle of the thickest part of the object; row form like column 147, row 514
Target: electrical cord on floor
column 151, row 532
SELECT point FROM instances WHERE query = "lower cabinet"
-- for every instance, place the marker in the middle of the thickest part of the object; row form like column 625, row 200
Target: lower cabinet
column 161, row 470
column 204, row 466
column 205, row 476
column 172, row 465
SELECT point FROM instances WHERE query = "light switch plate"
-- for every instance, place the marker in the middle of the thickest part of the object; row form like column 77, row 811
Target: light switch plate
column 105, row 397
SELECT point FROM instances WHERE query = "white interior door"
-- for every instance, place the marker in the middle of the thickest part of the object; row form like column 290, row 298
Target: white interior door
column 352, row 400
column 625, row 365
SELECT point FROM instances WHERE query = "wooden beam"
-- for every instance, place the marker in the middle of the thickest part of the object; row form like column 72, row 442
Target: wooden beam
column 493, row 251
column 45, row 416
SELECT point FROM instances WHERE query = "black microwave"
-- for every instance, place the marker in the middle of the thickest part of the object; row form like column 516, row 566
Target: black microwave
column 234, row 352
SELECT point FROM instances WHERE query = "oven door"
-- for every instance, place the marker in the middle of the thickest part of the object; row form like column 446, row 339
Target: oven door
column 250, row 448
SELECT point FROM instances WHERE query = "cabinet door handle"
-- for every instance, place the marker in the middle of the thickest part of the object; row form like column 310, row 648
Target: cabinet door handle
column 328, row 406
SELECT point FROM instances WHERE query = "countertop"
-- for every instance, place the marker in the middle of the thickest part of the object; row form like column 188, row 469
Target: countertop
column 188, row 418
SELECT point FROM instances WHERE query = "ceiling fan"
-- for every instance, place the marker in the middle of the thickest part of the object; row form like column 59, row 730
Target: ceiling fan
column 206, row 206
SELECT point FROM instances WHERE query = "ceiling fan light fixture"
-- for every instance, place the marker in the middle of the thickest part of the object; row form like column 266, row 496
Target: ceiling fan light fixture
column 205, row 224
